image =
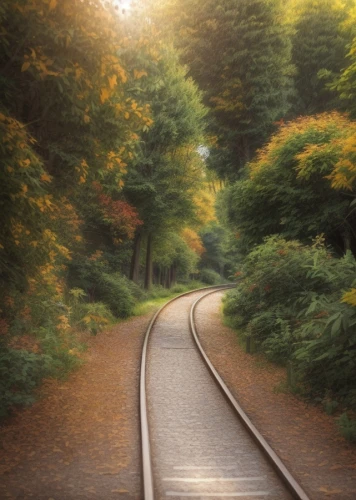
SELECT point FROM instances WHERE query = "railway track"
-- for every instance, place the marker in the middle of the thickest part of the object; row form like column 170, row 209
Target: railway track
column 196, row 440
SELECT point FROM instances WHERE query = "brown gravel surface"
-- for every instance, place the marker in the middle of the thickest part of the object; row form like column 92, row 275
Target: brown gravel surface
column 303, row 436
column 81, row 440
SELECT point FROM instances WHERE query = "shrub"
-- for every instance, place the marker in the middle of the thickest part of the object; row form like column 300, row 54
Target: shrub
column 210, row 277
column 290, row 300
column 114, row 290
column 347, row 427
column 100, row 284
column 95, row 316
column 20, row 372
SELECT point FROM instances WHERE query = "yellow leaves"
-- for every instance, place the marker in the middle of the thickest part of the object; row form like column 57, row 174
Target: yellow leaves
column 78, row 238
column 96, row 255
column 24, row 189
column 52, row 4
column 86, row 119
column 112, row 81
column 63, row 323
column 44, row 203
column 139, row 74
column 343, row 175
column 104, row 95
column 83, row 171
column 45, row 178
column 193, row 241
column 25, row 66
column 127, row 115
column 50, row 235
column 25, row 163
column 97, row 319
column 350, row 297
column 78, row 72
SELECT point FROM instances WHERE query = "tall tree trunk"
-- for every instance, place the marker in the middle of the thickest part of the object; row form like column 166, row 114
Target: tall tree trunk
column 148, row 270
column 135, row 260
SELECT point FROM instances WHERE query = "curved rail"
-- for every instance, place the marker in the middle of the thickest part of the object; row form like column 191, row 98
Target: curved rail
column 148, row 486
column 292, row 485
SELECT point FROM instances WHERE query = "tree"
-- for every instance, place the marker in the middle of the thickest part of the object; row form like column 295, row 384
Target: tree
column 318, row 53
column 345, row 83
column 238, row 51
column 168, row 165
column 296, row 185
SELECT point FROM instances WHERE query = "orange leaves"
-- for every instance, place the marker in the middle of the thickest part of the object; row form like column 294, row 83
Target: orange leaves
column 112, row 81
column 25, row 66
column 45, row 178
column 193, row 241
column 104, row 95
column 139, row 74
column 52, row 4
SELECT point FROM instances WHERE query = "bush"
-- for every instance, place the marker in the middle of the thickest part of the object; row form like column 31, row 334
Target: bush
column 95, row 316
column 289, row 299
column 210, row 277
column 114, row 290
column 102, row 285
column 347, row 427
column 20, row 372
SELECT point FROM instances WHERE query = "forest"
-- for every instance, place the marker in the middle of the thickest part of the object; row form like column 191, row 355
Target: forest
column 156, row 146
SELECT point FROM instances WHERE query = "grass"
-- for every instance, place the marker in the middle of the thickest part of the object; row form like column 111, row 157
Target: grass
column 151, row 304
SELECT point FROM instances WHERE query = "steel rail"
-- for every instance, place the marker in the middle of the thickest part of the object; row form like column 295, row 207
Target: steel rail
column 148, row 485
column 294, row 488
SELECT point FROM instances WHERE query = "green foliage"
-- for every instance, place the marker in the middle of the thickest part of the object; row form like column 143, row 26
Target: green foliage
column 318, row 53
column 113, row 290
column 347, row 427
column 289, row 300
column 345, row 83
column 168, row 167
column 101, row 283
column 20, row 372
column 215, row 239
column 209, row 276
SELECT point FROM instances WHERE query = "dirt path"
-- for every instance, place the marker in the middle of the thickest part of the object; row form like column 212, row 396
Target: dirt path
column 81, row 440
column 303, row 436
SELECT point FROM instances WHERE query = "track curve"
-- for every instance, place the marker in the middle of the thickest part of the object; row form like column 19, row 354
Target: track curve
column 187, row 427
